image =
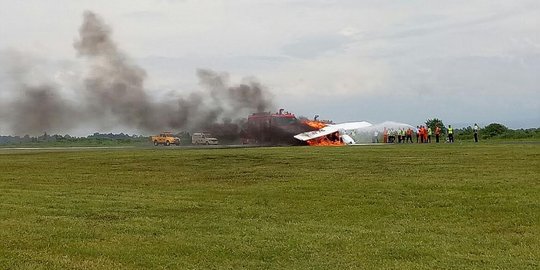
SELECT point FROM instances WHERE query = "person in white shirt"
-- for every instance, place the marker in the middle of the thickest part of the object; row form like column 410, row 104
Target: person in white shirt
column 375, row 137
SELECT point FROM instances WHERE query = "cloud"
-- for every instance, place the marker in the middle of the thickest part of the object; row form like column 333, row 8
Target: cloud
column 311, row 47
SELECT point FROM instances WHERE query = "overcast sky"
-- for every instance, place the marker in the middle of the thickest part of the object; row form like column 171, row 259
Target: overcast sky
column 463, row 61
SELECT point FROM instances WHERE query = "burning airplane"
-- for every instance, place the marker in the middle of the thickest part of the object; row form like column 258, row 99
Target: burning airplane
column 350, row 133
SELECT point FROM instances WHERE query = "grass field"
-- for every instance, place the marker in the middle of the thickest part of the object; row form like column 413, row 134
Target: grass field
column 368, row 207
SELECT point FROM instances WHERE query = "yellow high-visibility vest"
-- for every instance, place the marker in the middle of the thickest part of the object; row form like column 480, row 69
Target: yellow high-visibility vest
column 450, row 131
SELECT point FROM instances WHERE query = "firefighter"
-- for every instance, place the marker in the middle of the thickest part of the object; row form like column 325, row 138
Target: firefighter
column 429, row 133
column 409, row 135
column 391, row 136
column 450, row 134
column 437, row 133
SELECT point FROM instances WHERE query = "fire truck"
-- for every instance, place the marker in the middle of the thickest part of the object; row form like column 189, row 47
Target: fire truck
column 273, row 128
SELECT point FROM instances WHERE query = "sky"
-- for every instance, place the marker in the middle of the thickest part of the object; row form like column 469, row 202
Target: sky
column 462, row 61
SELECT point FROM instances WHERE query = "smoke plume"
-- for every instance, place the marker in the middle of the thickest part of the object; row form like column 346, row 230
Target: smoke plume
column 31, row 106
column 112, row 93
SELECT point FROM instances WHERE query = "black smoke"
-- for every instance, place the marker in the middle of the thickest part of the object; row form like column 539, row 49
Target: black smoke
column 28, row 105
column 37, row 109
column 113, row 93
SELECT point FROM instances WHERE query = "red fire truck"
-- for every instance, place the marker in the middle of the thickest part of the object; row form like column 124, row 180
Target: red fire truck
column 274, row 128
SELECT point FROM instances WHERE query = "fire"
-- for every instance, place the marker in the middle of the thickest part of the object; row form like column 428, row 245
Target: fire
column 325, row 141
column 315, row 124
column 333, row 139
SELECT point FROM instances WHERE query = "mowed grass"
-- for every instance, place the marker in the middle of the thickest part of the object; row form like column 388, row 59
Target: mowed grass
column 368, row 207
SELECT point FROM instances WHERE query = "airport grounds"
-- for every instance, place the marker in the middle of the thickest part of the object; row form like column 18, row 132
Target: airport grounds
column 387, row 206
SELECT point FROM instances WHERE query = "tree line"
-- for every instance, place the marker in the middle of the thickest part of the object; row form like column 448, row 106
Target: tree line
column 56, row 139
column 491, row 131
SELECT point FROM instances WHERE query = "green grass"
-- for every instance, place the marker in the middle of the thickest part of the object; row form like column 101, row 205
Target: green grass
column 385, row 207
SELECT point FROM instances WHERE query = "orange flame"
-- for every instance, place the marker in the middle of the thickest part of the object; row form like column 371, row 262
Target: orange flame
column 324, row 142
column 315, row 124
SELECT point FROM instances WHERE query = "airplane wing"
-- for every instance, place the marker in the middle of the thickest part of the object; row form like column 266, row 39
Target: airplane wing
column 310, row 135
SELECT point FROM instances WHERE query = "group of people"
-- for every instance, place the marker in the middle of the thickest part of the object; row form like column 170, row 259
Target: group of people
column 423, row 134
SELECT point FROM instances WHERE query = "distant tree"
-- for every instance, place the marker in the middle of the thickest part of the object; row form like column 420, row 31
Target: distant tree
column 493, row 129
column 432, row 123
column 465, row 133
column 56, row 138
column 44, row 137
